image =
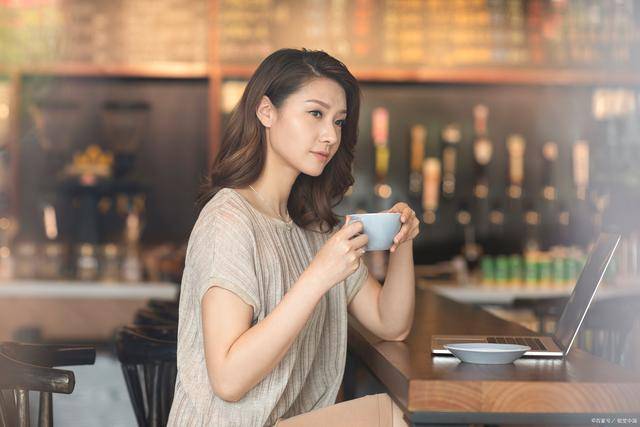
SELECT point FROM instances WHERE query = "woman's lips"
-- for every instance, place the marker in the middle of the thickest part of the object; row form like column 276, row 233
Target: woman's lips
column 320, row 156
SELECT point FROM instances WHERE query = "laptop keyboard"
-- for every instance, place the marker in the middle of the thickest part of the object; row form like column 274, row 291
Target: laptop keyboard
column 534, row 343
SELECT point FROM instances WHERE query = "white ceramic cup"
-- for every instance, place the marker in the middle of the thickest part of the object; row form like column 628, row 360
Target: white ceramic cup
column 380, row 227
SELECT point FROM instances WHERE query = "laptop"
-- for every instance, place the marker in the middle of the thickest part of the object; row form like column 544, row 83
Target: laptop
column 559, row 344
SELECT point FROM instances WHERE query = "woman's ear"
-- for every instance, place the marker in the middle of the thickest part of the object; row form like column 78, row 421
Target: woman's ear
column 266, row 111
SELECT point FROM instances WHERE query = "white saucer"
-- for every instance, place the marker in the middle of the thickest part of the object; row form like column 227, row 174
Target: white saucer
column 486, row 353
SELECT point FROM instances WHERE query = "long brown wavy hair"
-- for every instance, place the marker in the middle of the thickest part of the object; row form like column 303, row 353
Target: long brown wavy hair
column 243, row 150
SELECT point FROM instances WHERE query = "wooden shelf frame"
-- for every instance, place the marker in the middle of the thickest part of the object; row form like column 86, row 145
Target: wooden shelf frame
column 166, row 70
column 473, row 75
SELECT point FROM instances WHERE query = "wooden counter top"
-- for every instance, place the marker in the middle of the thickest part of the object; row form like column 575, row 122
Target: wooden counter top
column 73, row 311
column 443, row 389
column 69, row 289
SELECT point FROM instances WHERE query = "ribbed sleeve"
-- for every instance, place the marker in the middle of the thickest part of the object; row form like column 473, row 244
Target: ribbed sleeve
column 224, row 253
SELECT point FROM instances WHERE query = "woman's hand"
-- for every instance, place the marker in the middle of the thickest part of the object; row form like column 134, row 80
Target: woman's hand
column 410, row 224
column 339, row 257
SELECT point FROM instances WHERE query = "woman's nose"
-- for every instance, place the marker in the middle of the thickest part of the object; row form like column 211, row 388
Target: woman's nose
column 330, row 135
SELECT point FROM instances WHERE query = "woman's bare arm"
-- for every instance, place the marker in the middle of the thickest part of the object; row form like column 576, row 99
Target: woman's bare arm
column 238, row 355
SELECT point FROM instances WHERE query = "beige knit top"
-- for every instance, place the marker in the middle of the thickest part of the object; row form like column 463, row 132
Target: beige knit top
column 258, row 257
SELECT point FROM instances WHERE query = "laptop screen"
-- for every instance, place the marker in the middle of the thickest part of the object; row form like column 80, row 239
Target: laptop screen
column 584, row 290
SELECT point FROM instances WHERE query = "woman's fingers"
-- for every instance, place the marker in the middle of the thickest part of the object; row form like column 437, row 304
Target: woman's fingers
column 358, row 243
column 351, row 229
column 408, row 231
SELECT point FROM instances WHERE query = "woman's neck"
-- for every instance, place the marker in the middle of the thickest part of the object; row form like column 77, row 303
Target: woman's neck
column 274, row 197
column 275, row 182
column 273, row 186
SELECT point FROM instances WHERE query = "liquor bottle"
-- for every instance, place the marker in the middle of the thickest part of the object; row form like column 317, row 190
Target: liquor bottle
column 470, row 249
column 482, row 151
column 450, row 139
column 496, row 220
column 550, row 157
column 532, row 221
column 380, row 134
column 581, row 168
column 516, row 148
column 87, row 263
column 581, row 210
column 131, row 263
column 7, row 264
column 514, row 211
column 482, row 154
column 8, row 230
column 548, row 210
column 418, row 141
column 50, row 222
column 431, row 172
column 564, row 222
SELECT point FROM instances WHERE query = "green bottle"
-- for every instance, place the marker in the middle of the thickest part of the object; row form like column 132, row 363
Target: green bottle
column 515, row 269
column 487, row 267
column 502, row 269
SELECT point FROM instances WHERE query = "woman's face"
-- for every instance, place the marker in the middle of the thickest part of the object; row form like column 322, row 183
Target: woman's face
column 306, row 129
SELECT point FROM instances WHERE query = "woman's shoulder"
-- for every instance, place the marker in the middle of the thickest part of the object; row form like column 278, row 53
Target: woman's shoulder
column 226, row 210
column 222, row 223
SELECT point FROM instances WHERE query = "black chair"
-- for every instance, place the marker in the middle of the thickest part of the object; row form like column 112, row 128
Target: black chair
column 148, row 358
column 29, row 367
column 164, row 307
column 149, row 317
column 158, row 332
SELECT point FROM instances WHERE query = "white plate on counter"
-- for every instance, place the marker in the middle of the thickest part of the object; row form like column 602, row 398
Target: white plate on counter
column 487, row 353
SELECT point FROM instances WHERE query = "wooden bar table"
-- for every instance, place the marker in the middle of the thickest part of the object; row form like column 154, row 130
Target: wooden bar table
column 580, row 390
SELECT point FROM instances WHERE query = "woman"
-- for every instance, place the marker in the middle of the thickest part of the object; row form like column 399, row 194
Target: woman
column 270, row 275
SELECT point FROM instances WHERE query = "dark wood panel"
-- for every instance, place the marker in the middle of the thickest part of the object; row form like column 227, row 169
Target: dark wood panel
column 170, row 161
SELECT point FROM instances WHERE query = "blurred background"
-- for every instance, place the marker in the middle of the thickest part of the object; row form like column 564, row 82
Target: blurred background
column 510, row 126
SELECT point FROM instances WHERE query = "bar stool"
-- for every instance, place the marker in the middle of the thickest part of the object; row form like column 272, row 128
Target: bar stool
column 148, row 358
column 148, row 317
column 158, row 332
column 29, row 367
column 169, row 307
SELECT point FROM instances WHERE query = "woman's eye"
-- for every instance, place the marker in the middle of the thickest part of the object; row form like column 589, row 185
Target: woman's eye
column 316, row 113
column 340, row 122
